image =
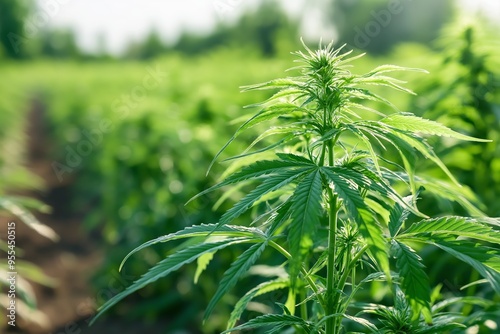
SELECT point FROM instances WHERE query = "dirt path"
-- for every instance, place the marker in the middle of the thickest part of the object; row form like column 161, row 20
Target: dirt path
column 67, row 307
column 72, row 260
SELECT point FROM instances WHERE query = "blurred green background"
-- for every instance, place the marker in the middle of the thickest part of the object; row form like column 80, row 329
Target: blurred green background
column 111, row 111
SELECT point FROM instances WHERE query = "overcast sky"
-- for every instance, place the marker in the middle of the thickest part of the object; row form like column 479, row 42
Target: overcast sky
column 120, row 21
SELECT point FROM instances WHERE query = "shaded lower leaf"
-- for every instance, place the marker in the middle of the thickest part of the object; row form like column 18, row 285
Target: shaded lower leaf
column 232, row 275
column 372, row 233
column 278, row 321
column 398, row 215
column 202, row 230
column 485, row 260
column 168, row 265
column 360, row 321
column 260, row 289
column 279, row 217
column 305, row 211
column 442, row 324
column 469, row 300
column 415, row 282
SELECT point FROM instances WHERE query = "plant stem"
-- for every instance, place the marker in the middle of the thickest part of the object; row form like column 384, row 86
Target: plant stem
column 322, row 159
column 323, row 147
column 332, row 250
column 331, row 272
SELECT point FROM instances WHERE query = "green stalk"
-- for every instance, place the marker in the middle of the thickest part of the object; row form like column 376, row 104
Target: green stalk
column 331, row 273
column 323, row 151
column 332, row 250
column 351, row 266
column 323, row 147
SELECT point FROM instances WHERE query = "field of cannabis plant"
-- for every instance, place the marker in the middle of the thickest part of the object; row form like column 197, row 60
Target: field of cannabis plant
column 337, row 201
column 340, row 213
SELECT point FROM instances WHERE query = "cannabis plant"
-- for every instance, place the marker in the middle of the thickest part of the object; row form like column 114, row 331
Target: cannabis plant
column 339, row 214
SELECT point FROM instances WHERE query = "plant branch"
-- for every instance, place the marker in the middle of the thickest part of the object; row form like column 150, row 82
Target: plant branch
column 304, row 272
column 351, row 266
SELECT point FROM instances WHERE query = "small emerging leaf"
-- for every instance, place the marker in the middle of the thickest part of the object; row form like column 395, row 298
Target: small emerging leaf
column 202, row 263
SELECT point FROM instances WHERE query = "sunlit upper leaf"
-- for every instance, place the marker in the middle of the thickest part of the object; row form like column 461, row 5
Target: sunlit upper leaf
column 255, row 170
column 269, row 185
column 410, row 122
column 458, row 226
